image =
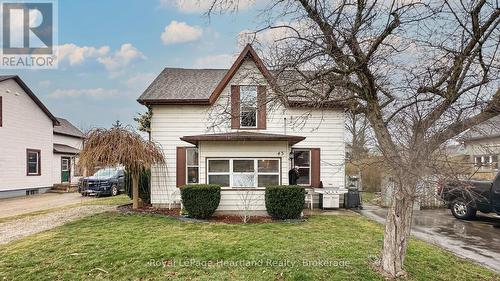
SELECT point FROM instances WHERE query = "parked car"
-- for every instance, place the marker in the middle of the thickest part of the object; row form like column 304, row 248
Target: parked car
column 106, row 181
column 465, row 198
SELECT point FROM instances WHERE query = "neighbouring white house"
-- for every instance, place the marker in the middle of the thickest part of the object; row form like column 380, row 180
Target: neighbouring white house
column 482, row 144
column 217, row 126
column 37, row 150
column 68, row 141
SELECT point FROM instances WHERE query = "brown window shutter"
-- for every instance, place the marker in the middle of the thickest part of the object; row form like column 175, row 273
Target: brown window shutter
column 261, row 107
column 181, row 166
column 315, row 167
column 235, row 107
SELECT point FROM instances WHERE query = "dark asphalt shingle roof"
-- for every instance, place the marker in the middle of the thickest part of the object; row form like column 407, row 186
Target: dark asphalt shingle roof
column 66, row 128
column 180, row 83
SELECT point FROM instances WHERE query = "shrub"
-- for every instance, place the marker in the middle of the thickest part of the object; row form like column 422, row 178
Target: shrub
column 144, row 186
column 200, row 200
column 285, row 201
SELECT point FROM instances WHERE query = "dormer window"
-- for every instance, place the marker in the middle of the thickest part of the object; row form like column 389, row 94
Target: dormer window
column 248, row 106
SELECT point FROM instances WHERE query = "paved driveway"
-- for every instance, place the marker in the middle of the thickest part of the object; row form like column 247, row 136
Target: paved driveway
column 23, row 205
column 477, row 240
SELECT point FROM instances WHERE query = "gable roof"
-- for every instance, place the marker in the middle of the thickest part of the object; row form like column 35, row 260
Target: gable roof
column 488, row 129
column 197, row 86
column 67, row 129
column 28, row 91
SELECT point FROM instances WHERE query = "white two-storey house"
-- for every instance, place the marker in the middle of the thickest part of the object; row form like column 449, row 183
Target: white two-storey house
column 37, row 150
column 220, row 126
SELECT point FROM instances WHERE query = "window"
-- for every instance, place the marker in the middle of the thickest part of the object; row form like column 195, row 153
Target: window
column 33, row 162
column 244, row 173
column 248, row 106
column 486, row 162
column 302, row 159
column 192, row 172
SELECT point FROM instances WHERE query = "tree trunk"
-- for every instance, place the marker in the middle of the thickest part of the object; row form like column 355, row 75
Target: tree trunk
column 397, row 233
column 135, row 191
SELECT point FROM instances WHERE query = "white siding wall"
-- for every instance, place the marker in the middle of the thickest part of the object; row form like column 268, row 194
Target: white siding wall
column 67, row 140
column 323, row 129
column 25, row 125
column 56, row 159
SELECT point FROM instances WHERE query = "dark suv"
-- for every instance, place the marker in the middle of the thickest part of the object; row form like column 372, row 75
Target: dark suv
column 465, row 198
column 106, row 181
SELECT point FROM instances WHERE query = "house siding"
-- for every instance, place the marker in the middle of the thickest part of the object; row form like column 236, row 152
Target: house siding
column 56, row 158
column 25, row 126
column 323, row 129
column 486, row 146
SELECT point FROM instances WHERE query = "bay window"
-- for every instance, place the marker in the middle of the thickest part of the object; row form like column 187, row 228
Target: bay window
column 244, row 172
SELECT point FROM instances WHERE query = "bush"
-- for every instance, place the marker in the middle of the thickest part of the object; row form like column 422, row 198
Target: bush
column 200, row 200
column 144, row 186
column 285, row 201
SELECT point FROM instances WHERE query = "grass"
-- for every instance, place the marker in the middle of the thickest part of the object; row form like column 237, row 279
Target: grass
column 115, row 200
column 369, row 197
column 114, row 246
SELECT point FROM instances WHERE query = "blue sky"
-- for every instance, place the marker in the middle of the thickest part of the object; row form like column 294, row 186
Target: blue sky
column 111, row 50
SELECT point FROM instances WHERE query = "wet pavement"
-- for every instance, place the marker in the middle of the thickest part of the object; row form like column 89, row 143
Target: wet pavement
column 477, row 240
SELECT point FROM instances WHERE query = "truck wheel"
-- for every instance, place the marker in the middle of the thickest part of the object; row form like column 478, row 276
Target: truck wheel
column 114, row 190
column 461, row 210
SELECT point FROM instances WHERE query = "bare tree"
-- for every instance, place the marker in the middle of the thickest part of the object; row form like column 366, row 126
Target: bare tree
column 248, row 200
column 422, row 72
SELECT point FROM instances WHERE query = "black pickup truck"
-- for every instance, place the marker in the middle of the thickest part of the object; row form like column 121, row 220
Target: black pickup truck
column 465, row 198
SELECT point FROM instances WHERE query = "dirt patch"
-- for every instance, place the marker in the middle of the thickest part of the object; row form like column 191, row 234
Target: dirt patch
column 176, row 213
column 148, row 209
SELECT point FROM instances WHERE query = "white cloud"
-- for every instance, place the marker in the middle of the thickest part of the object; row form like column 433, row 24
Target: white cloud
column 201, row 6
column 121, row 58
column 180, row 32
column 75, row 93
column 215, row 61
column 76, row 55
column 44, row 83
column 140, row 80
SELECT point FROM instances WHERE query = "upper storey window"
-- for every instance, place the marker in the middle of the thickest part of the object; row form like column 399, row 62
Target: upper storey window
column 248, row 106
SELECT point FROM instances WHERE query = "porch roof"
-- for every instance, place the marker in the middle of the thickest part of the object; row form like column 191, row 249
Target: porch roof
column 65, row 149
column 242, row 136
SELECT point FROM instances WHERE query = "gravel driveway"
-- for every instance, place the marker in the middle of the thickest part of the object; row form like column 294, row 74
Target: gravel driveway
column 23, row 205
column 17, row 229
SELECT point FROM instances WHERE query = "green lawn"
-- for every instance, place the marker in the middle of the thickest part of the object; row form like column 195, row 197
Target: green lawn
column 114, row 246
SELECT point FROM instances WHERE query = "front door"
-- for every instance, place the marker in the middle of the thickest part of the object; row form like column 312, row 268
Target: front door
column 65, row 169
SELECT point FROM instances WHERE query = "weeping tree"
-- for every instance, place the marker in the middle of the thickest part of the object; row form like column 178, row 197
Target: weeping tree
column 421, row 72
column 121, row 146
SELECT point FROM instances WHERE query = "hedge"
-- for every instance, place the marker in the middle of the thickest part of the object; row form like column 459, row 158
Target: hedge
column 200, row 200
column 144, row 186
column 285, row 201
